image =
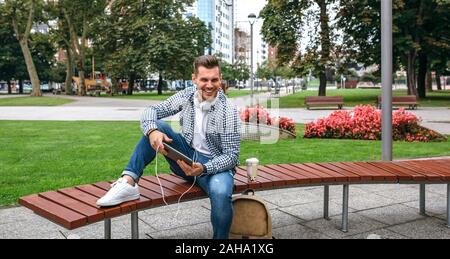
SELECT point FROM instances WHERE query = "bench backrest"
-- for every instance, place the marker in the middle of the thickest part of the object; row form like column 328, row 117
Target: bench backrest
column 324, row 99
column 402, row 99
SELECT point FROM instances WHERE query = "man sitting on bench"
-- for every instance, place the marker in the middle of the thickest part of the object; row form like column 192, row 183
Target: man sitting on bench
column 210, row 135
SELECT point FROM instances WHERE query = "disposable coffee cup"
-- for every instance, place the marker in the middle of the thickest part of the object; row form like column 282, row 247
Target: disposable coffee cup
column 252, row 168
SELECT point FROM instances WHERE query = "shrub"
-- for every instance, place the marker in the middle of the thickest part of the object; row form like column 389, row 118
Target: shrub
column 258, row 115
column 364, row 122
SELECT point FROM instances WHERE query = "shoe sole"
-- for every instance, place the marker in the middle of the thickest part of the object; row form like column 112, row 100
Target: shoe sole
column 114, row 203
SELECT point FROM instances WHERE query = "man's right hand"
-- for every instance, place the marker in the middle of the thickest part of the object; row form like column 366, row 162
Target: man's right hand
column 156, row 140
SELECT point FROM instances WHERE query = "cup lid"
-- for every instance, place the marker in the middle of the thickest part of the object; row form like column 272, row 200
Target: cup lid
column 252, row 161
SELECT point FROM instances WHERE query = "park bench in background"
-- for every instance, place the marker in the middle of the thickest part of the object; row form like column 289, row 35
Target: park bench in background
column 409, row 100
column 323, row 101
column 75, row 207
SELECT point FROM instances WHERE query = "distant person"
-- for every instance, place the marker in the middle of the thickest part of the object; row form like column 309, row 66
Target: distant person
column 210, row 135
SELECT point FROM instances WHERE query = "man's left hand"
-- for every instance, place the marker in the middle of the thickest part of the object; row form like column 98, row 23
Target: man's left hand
column 195, row 170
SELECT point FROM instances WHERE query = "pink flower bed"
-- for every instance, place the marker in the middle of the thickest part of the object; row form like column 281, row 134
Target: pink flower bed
column 259, row 115
column 364, row 122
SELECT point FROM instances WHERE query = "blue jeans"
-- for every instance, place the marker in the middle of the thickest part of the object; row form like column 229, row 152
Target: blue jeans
column 218, row 187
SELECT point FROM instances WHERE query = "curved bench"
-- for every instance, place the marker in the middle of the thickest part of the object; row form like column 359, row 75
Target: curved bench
column 75, row 207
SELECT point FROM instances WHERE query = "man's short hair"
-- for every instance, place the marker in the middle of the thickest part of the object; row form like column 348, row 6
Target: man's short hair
column 206, row 61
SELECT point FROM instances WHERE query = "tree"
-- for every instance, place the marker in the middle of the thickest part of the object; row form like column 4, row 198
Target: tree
column 79, row 16
column 283, row 27
column 150, row 36
column 22, row 14
column 419, row 27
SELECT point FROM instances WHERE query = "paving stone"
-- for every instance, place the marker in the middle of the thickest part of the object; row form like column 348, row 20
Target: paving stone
column 280, row 219
column 393, row 214
column 171, row 220
column 429, row 228
column 297, row 231
column 366, row 201
column 377, row 234
column 357, row 224
column 198, row 231
column 313, row 210
column 120, row 229
column 435, row 204
column 284, row 199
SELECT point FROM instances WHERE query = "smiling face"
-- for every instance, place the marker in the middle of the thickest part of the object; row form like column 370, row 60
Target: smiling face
column 208, row 81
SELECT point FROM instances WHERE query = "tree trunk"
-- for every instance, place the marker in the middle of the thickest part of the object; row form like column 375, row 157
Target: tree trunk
column 325, row 44
column 160, row 84
column 323, row 84
column 82, row 91
column 20, row 86
column 9, row 87
column 423, row 66
column 31, row 68
column 130, row 84
column 114, row 85
column 429, row 81
column 438, row 81
column 69, row 70
column 411, row 60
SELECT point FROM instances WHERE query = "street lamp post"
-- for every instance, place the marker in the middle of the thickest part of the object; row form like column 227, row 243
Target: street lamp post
column 251, row 20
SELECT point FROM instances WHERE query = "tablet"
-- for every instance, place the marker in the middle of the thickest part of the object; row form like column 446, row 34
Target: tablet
column 176, row 155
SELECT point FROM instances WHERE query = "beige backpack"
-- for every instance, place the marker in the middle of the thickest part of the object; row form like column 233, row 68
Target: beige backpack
column 251, row 218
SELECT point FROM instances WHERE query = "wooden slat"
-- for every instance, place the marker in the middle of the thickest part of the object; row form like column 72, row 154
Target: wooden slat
column 403, row 175
column 172, row 178
column 275, row 180
column 54, row 212
column 324, row 176
column 300, row 179
column 367, row 167
column 90, row 200
column 332, row 166
column 338, row 176
column 310, row 176
column 261, row 180
column 169, row 195
column 288, row 180
column 350, row 177
column 435, row 166
column 93, row 214
column 431, row 176
column 377, row 174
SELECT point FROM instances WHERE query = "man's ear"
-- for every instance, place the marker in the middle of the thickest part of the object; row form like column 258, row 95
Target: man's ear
column 194, row 77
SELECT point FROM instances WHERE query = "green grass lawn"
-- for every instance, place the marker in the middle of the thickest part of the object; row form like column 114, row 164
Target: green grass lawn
column 33, row 101
column 353, row 97
column 41, row 156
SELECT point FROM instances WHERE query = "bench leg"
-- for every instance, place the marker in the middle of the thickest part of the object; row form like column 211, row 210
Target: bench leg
column 422, row 204
column 448, row 205
column 345, row 209
column 134, row 225
column 107, row 228
column 326, row 202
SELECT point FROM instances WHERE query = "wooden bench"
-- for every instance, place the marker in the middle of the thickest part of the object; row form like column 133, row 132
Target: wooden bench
column 324, row 101
column 75, row 207
column 409, row 100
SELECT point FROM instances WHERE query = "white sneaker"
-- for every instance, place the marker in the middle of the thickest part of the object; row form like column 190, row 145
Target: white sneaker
column 120, row 192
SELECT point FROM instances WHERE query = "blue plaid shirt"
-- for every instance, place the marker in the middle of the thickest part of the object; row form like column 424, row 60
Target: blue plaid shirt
column 222, row 132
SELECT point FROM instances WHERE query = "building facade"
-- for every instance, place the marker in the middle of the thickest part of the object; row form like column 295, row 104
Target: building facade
column 218, row 15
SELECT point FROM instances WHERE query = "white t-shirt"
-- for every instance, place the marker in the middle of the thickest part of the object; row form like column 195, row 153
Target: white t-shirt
column 199, row 140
